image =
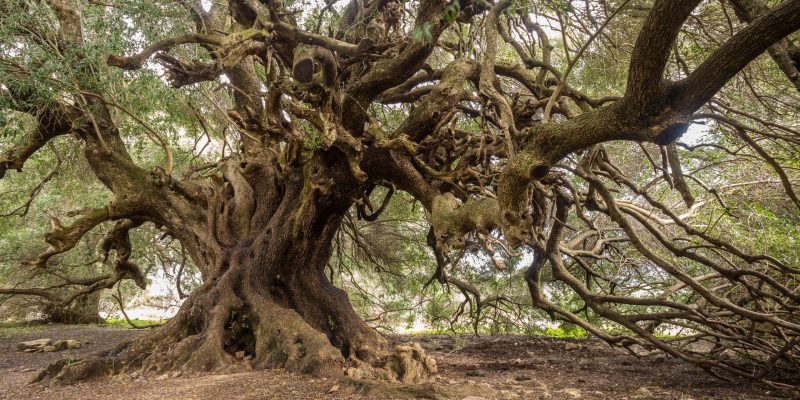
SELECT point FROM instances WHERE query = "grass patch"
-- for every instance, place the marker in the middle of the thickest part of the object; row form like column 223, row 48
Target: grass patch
column 8, row 329
column 561, row 332
column 122, row 323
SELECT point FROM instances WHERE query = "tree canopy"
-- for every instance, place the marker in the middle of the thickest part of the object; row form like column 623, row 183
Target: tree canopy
column 626, row 167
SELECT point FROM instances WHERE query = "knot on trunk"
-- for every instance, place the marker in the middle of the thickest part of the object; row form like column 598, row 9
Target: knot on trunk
column 452, row 220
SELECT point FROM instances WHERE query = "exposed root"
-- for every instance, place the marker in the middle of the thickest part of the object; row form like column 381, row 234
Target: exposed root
column 408, row 364
column 67, row 371
column 287, row 343
column 222, row 329
column 285, row 340
column 280, row 347
column 226, row 340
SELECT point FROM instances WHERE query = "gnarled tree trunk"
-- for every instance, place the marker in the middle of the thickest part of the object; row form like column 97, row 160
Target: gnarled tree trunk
column 265, row 301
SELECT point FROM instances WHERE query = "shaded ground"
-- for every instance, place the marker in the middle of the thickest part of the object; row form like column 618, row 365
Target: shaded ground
column 499, row 367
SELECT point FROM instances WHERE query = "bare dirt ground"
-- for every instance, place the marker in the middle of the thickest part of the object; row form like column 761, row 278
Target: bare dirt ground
column 490, row 367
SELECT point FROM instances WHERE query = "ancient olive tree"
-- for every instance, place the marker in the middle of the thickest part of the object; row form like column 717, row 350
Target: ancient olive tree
column 508, row 121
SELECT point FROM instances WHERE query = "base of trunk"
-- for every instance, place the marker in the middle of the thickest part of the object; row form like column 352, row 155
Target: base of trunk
column 216, row 331
column 83, row 310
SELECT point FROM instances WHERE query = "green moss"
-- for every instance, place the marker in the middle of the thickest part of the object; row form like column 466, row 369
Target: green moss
column 331, row 324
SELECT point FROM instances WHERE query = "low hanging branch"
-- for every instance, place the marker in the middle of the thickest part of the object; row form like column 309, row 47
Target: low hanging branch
column 23, row 210
column 63, row 238
column 117, row 240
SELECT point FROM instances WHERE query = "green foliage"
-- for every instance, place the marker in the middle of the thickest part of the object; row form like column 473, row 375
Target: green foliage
column 423, row 34
column 313, row 140
column 331, row 324
column 452, row 11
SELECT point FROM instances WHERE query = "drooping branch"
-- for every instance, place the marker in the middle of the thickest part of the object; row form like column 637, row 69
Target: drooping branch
column 52, row 122
column 736, row 53
column 782, row 51
column 24, row 208
column 63, row 238
column 136, row 61
column 741, row 131
column 677, row 175
column 46, row 293
column 117, row 240
column 121, row 303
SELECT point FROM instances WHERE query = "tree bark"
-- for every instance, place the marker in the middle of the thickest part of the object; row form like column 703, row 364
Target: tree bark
column 265, row 301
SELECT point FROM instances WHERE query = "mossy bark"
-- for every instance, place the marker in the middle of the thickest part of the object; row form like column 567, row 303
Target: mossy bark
column 281, row 312
column 265, row 301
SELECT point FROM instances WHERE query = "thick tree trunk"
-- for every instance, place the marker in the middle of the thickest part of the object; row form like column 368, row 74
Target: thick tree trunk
column 265, row 301
column 271, row 300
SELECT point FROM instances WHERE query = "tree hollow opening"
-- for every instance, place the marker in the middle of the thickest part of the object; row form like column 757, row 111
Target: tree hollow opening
column 240, row 341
